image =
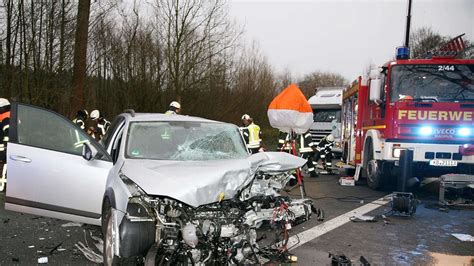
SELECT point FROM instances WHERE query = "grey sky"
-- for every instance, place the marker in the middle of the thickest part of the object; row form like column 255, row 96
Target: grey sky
column 342, row 36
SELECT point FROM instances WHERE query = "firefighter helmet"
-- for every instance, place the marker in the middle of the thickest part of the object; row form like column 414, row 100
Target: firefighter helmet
column 4, row 102
column 95, row 114
column 175, row 104
column 330, row 138
column 245, row 117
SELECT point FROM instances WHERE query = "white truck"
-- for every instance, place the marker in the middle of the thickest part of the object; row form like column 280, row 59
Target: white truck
column 326, row 105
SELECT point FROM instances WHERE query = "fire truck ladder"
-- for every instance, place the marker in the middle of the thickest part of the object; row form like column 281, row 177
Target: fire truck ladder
column 450, row 48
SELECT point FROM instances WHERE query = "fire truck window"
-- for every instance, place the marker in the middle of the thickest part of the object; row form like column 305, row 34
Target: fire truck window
column 432, row 83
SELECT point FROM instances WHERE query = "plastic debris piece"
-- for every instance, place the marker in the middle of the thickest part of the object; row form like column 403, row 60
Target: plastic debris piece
column 464, row 237
column 363, row 218
column 42, row 260
column 55, row 248
column 71, row 224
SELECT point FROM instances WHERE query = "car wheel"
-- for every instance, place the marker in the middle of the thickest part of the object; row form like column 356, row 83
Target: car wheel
column 110, row 258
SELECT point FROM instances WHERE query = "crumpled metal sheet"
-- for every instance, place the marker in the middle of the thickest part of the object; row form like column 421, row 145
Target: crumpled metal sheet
column 202, row 182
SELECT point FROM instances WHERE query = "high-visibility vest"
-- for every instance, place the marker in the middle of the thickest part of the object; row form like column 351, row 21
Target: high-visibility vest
column 254, row 136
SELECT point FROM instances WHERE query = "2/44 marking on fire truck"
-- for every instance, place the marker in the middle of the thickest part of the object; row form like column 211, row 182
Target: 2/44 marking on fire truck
column 445, row 68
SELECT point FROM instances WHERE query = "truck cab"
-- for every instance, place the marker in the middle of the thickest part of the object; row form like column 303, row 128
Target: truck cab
column 326, row 105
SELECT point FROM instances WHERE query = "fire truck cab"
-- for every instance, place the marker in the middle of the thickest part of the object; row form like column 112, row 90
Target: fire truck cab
column 426, row 105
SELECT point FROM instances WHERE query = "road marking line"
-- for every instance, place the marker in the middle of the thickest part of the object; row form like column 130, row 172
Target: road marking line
column 319, row 230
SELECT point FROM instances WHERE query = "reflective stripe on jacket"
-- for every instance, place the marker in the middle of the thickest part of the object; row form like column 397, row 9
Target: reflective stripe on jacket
column 284, row 139
column 306, row 143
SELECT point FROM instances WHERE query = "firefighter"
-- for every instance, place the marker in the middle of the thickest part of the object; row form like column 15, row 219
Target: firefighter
column 174, row 108
column 254, row 134
column 102, row 124
column 81, row 118
column 308, row 151
column 4, row 128
column 284, row 142
column 324, row 152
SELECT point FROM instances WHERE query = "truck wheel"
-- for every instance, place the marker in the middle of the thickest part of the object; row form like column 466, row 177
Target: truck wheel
column 376, row 175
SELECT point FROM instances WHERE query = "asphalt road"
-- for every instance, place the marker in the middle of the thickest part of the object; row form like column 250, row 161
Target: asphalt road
column 423, row 239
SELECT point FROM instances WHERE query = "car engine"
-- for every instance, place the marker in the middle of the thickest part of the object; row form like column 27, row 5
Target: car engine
column 223, row 232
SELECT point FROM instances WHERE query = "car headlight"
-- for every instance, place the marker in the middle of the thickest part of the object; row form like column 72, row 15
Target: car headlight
column 138, row 211
column 134, row 189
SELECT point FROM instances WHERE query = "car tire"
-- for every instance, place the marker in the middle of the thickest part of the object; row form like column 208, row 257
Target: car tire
column 110, row 258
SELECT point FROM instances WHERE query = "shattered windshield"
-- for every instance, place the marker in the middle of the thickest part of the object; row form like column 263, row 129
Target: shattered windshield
column 184, row 141
column 432, row 83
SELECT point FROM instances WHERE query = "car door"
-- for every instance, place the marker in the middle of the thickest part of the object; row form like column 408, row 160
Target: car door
column 47, row 174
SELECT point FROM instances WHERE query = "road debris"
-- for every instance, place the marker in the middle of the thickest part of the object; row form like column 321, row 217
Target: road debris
column 347, row 181
column 42, row 260
column 464, row 237
column 71, row 224
column 88, row 252
column 364, row 261
column 364, row 218
column 55, row 248
column 339, row 260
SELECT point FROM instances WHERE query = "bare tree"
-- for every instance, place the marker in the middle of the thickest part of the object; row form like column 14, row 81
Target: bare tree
column 320, row 79
column 80, row 54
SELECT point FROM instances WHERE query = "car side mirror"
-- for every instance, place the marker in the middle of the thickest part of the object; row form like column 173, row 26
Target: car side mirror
column 375, row 90
column 88, row 151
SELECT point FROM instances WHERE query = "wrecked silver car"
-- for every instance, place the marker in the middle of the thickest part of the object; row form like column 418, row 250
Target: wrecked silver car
column 166, row 189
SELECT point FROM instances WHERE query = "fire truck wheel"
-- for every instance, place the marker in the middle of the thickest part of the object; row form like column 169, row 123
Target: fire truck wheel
column 374, row 169
column 374, row 174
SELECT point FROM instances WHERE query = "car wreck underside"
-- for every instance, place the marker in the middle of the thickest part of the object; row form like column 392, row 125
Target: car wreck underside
column 162, row 230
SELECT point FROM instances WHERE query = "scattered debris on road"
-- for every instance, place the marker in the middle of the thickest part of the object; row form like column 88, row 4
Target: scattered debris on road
column 464, row 237
column 43, row 260
column 347, row 181
column 88, row 252
column 71, row 224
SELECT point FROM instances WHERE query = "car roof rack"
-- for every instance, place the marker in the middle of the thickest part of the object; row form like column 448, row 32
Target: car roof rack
column 130, row 111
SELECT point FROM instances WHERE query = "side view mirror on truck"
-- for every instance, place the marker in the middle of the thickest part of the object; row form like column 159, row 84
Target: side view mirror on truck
column 375, row 90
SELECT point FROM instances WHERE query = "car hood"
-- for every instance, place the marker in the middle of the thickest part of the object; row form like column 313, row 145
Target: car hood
column 202, row 182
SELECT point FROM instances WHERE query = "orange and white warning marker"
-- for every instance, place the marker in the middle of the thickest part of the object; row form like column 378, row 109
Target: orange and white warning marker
column 290, row 111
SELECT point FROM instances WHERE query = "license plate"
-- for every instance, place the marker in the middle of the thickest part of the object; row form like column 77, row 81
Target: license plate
column 443, row 163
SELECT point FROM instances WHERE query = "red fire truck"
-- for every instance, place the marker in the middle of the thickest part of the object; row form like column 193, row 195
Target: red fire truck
column 426, row 105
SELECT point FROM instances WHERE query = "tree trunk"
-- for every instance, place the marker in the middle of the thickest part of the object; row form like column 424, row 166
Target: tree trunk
column 80, row 55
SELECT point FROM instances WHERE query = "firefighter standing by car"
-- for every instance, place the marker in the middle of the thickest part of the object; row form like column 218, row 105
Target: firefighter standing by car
column 102, row 124
column 254, row 134
column 308, row 151
column 4, row 128
column 174, row 108
column 324, row 152
column 81, row 118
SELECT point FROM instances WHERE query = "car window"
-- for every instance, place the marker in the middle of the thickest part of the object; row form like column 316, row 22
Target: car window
column 180, row 141
column 47, row 130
